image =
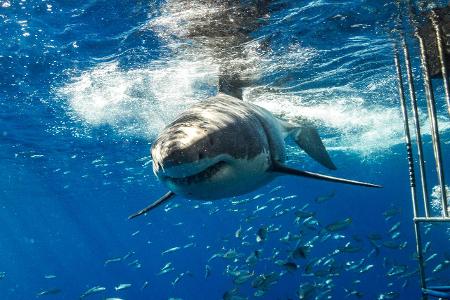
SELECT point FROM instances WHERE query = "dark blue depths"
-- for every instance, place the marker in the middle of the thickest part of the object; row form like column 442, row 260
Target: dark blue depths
column 67, row 185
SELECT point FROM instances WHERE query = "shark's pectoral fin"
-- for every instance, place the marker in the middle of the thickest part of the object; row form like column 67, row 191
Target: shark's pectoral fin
column 307, row 137
column 279, row 168
column 153, row 205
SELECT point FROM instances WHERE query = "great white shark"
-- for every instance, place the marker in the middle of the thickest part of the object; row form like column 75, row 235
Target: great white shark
column 224, row 147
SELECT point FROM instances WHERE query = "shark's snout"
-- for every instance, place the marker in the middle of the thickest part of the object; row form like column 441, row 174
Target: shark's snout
column 176, row 154
column 172, row 158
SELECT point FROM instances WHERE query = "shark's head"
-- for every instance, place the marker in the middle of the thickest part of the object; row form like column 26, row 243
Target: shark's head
column 211, row 156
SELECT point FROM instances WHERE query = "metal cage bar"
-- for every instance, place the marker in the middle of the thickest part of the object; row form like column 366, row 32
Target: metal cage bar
column 436, row 140
column 415, row 113
column 410, row 158
column 401, row 41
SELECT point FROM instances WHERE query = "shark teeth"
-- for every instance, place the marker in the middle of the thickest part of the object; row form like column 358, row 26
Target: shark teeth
column 201, row 176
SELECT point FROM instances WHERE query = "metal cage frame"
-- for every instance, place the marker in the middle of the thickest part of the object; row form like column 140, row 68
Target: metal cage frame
column 423, row 215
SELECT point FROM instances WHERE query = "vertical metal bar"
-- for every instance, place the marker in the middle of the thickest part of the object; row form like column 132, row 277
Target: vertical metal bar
column 411, row 169
column 433, row 123
column 439, row 43
column 412, row 95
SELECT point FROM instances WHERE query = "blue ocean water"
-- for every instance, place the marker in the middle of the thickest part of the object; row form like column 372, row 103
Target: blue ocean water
column 85, row 88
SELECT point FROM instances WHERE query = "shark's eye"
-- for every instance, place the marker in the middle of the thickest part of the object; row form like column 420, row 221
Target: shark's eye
column 201, row 155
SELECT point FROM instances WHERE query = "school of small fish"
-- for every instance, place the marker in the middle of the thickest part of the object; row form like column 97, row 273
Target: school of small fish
column 260, row 253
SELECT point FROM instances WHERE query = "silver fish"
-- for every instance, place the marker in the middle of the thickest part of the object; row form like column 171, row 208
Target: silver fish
column 48, row 292
column 113, row 260
column 321, row 199
column 394, row 227
column 173, row 249
column 339, row 225
column 122, row 286
column 93, row 290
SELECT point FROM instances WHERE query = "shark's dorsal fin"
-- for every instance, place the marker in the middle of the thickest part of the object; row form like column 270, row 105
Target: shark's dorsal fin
column 231, row 84
column 153, row 205
column 307, row 137
column 279, row 168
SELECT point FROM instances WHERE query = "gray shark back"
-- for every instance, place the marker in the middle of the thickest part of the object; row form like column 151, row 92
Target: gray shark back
column 223, row 125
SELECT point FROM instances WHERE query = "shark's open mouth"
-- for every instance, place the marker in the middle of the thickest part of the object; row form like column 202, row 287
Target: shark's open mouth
column 201, row 176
